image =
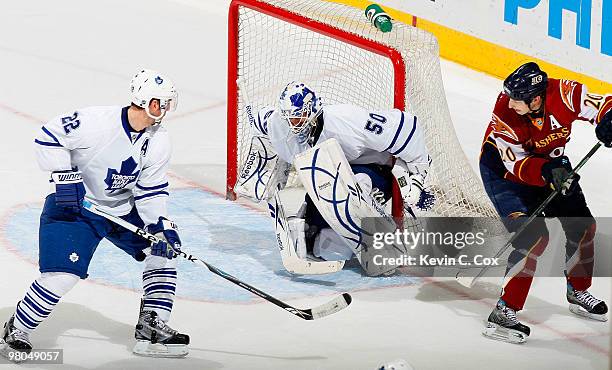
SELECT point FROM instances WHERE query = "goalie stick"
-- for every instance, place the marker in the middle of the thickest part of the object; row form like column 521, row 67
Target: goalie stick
column 291, row 261
column 247, row 107
column 468, row 281
column 337, row 304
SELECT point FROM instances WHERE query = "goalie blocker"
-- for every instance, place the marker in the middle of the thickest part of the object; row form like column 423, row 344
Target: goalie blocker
column 262, row 172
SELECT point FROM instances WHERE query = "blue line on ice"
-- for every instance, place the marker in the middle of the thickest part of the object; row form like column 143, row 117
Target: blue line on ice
column 236, row 239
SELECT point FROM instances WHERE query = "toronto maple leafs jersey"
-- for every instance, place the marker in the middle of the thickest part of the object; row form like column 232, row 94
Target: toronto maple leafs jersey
column 365, row 136
column 120, row 168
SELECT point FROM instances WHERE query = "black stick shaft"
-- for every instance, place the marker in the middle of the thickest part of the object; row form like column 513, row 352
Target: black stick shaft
column 304, row 314
column 538, row 210
column 300, row 313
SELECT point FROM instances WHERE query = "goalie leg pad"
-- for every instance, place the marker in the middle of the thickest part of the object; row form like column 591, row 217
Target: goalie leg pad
column 374, row 176
column 344, row 205
column 331, row 247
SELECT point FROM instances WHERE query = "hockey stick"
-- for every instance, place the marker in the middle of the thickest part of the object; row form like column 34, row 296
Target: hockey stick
column 468, row 281
column 337, row 304
column 247, row 107
column 286, row 246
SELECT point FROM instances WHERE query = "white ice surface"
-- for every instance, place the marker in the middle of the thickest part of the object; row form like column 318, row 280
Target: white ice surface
column 59, row 55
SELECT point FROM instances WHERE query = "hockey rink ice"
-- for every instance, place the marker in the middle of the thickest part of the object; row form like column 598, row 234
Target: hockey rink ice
column 61, row 55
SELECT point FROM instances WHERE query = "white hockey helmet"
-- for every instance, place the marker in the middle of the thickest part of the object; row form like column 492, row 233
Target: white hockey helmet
column 148, row 84
column 300, row 107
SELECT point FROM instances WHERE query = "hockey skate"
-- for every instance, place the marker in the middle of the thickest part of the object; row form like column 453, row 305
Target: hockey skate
column 14, row 340
column 503, row 325
column 582, row 303
column 154, row 338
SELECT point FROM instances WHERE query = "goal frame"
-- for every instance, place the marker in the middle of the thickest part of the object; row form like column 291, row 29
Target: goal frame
column 397, row 61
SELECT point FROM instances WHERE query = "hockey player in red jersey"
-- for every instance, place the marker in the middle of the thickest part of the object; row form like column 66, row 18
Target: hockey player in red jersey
column 521, row 163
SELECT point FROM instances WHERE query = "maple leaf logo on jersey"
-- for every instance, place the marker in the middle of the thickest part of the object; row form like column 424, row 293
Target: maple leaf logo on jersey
column 566, row 89
column 119, row 180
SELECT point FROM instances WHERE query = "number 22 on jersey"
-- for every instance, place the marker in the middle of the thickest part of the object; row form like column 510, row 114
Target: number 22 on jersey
column 71, row 122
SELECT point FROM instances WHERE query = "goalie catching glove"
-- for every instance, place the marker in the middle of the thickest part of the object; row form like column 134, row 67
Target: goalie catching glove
column 412, row 187
column 170, row 243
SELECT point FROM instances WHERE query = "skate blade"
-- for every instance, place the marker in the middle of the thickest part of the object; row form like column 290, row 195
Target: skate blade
column 6, row 351
column 148, row 349
column 498, row 332
column 578, row 310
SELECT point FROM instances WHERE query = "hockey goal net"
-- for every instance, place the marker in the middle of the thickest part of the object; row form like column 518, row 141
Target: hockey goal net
column 334, row 49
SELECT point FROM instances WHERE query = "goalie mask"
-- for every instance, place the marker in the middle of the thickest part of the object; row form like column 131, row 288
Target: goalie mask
column 147, row 85
column 300, row 107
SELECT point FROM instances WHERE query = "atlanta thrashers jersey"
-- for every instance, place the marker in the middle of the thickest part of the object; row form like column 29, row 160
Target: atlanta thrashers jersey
column 365, row 136
column 120, row 168
column 516, row 146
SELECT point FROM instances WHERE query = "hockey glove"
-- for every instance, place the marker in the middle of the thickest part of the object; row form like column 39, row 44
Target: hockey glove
column 170, row 244
column 603, row 130
column 69, row 189
column 413, row 190
column 556, row 173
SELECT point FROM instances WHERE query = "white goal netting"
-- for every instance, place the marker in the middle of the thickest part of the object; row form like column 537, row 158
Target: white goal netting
column 273, row 49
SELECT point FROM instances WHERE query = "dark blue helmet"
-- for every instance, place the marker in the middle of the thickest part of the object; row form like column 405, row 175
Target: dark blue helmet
column 527, row 82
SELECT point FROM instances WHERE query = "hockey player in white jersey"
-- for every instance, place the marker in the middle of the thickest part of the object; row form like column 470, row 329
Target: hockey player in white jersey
column 116, row 158
column 377, row 144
